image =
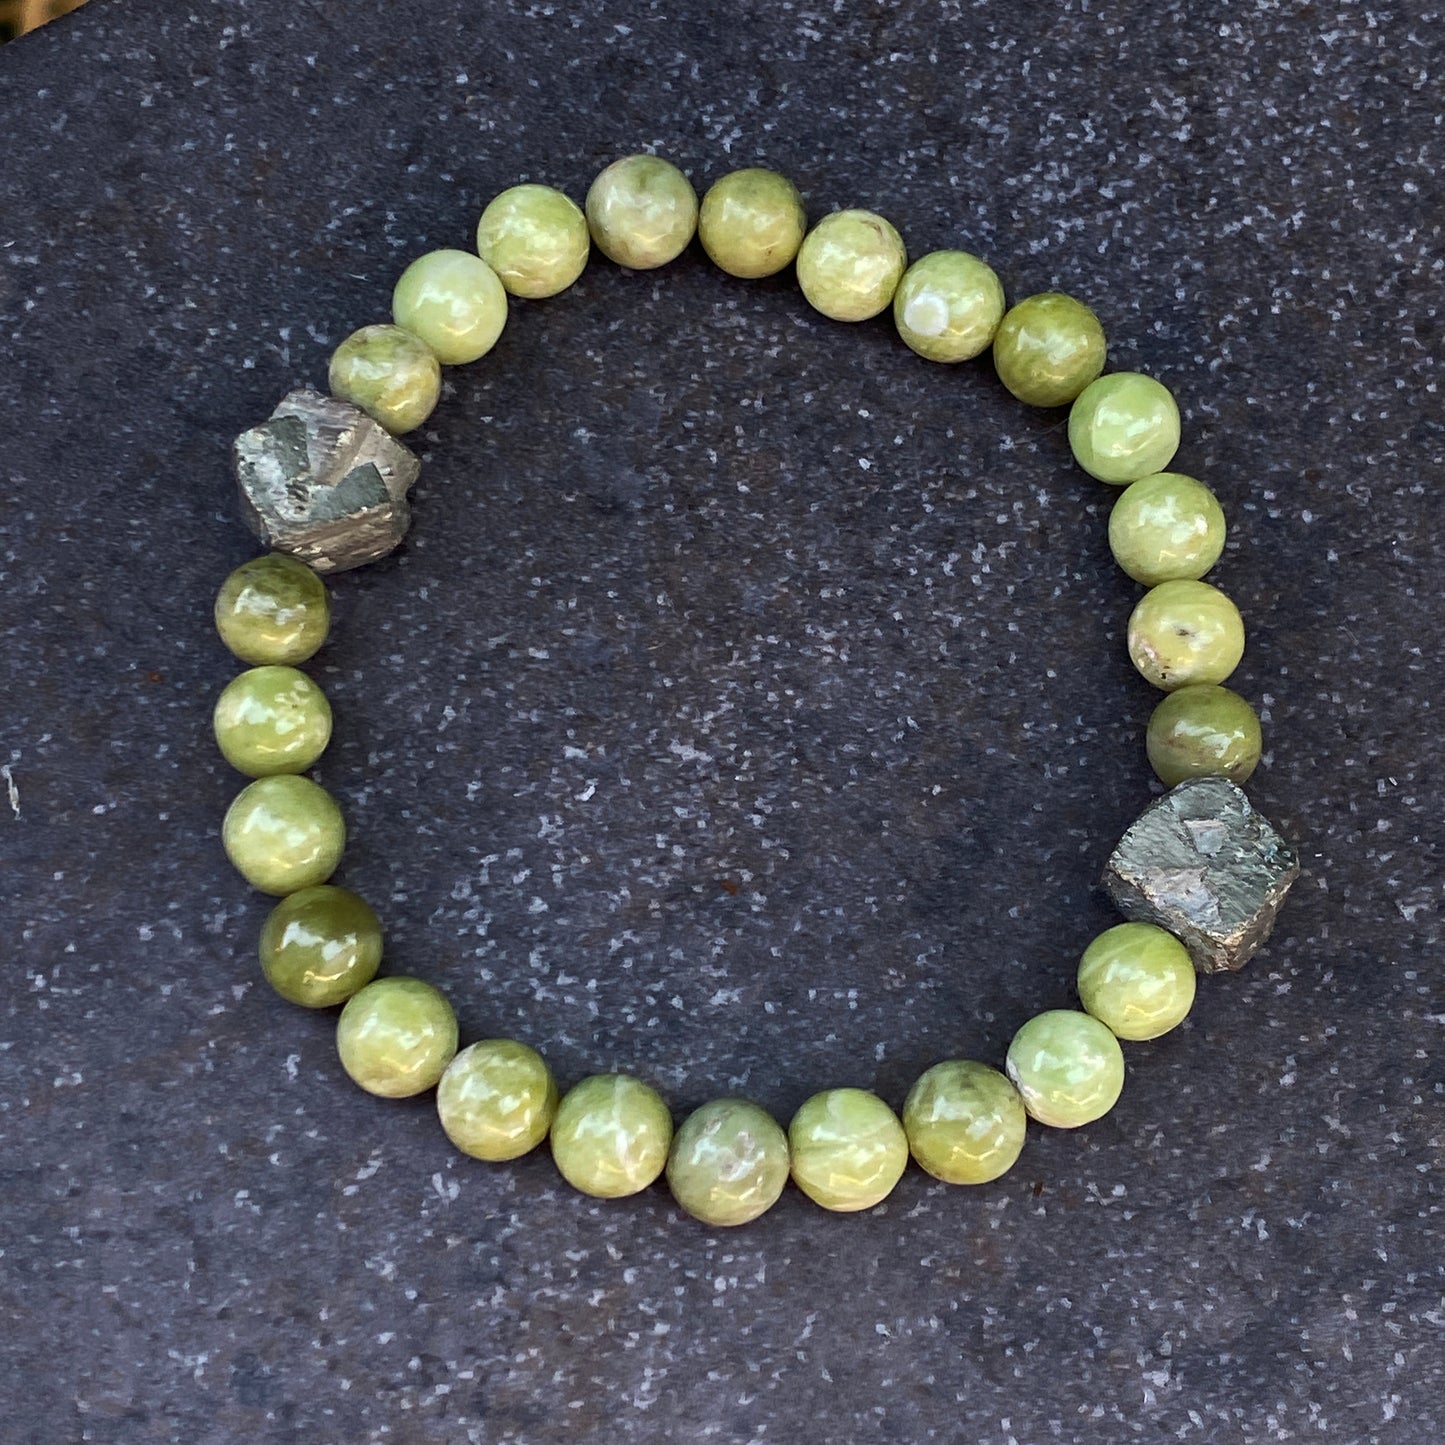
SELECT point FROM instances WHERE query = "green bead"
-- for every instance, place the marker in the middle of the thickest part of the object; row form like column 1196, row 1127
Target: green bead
column 1166, row 527
column 497, row 1100
column 1048, row 348
column 610, row 1136
column 1068, row 1068
column 390, row 374
column 752, row 223
column 1137, row 979
column 1124, row 426
column 848, row 1149
column 642, row 212
column 273, row 609
column 1182, row 633
column 283, row 834
column 729, row 1162
column 850, row 264
column 965, row 1122
column 535, row 239
column 396, row 1037
column 1204, row 731
column 454, row 302
column 948, row 306
column 272, row 720
column 319, row 946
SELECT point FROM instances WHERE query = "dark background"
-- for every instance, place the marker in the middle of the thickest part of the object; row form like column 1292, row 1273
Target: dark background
column 748, row 709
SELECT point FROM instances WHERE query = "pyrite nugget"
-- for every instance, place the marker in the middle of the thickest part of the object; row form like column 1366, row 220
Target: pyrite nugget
column 1203, row 864
column 323, row 481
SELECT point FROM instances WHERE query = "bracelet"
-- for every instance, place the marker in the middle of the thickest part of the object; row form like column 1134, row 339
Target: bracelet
column 1200, row 876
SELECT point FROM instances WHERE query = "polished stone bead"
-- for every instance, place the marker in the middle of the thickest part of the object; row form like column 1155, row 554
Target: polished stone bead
column 729, row 1162
column 850, row 264
column 319, row 946
column 497, row 1100
column 1067, row 1067
column 1124, row 426
column 848, row 1149
column 283, row 834
column 948, row 306
column 1182, row 633
column 752, row 223
column 390, row 374
column 396, row 1037
column 642, row 212
column 965, row 1122
column 273, row 609
column 1138, row 980
column 611, row 1135
column 1204, row 731
column 454, row 302
column 535, row 239
column 1048, row 348
column 271, row 720
column 1166, row 528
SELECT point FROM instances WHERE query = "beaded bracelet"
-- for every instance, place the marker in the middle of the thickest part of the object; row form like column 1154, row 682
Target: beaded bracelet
column 1200, row 876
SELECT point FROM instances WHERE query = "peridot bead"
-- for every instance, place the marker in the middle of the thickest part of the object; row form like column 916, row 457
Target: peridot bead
column 283, row 834
column 1204, row 731
column 454, row 302
column 1067, row 1067
column 642, row 212
column 1137, row 979
column 848, row 1149
column 535, row 239
column 1124, row 426
column 319, row 946
column 1166, row 527
column 497, row 1100
column 1182, row 633
column 390, row 374
column 611, row 1135
column 396, row 1037
column 948, row 306
column 965, row 1122
column 729, row 1162
column 752, row 222
column 1048, row 348
column 850, row 264
column 273, row 609
column 271, row 720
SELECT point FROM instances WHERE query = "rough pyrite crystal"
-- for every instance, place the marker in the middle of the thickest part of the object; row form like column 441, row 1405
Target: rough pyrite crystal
column 1203, row 864
column 323, row 481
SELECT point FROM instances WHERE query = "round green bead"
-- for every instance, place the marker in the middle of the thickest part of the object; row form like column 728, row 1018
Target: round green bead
column 611, row 1135
column 271, row 720
column 283, row 834
column 535, row 239
column 948, row 306
column 1204, row 731
column 729, row 1162
column 1165, row 528
column 965, row 1122
column 1124, row 426
column 396, row 1037
column 1067, row 1067
column 1182, row 633
column 1137, row 980
column 848, row 1149
column 319, row 946
column 454, row 302
column 752, row 223
column 850, row 264
column 642, row 212
column 390, row 374
column 273, row 609
column 497, row 1100
column 1048, row 348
